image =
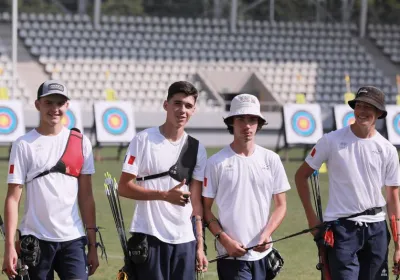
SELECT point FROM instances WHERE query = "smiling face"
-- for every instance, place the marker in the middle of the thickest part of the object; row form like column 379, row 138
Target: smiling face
column 365, row 114
column 52, row 108
column 179, row 109
column 245, row 127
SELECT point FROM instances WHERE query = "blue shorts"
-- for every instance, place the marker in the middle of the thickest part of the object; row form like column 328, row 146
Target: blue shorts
column 360, row 252
column 168, row 261
column 67, row 258
column 242, row 270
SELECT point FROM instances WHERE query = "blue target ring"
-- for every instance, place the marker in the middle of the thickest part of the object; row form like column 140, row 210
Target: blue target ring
column 396, row 123
column 303, row 123
column 348, row 119
column 69, row 120
column 115, row 121
column 8, row 120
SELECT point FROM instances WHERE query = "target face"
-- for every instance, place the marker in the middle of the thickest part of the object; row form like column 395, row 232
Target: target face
column 8, row 120
column 396, row 123
column 303, row 123
column 348, row 119
column 115, row 121
column 69, row 119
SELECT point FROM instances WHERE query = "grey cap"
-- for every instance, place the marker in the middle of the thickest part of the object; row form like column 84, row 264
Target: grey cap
column 50, row 87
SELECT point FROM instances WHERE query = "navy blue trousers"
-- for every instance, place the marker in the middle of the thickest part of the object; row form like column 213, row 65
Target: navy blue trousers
column 360, row 252
column 168, row 261
column 242, row 270
column 68, row 259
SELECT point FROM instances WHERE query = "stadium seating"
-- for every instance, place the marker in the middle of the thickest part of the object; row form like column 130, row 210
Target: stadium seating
column 138, row 57
column 387, row 37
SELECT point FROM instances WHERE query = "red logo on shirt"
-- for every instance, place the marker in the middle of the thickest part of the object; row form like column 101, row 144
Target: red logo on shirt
column 313, row 152
column 131, row 160
column 11, row 170
column 205, row 182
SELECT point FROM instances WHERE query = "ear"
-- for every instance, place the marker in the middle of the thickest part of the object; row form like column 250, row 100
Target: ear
column 165, row 105
column 67, row 104
column 37, row 105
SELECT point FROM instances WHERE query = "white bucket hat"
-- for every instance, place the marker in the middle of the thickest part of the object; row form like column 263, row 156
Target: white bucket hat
column 245, row 104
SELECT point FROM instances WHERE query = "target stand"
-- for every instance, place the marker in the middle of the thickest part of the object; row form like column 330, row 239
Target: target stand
column 301, row 128
column 12, row 124
column 114, row 125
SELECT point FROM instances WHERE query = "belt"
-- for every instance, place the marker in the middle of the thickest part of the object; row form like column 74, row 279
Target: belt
column 369, row 212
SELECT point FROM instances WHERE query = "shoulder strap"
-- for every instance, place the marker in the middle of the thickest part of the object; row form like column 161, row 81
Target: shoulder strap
column 184, row 166
column 75, row 146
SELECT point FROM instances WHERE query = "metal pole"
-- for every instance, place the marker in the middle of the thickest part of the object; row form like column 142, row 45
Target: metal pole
column 234, row 7
column 271, row 10
column 345, row 4
column 82, row 4
column 363, row 17
column 14, row 44
column 97, row 11
column 217, row 8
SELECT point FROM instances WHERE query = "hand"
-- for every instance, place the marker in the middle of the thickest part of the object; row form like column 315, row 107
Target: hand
column 177, row 196
column 10, row 262
column 234, row 248
column 201, row 261
column 396, row 261
column 262, row 247
column 313, row 223
column 93, row 260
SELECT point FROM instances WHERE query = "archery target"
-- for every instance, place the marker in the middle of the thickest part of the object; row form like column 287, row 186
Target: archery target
column 344, row 115
column 303, row 123
column 348, row 119
column 73, row 117
column 114, row 121
column 393, row 123
column 12, row 123
column 8, row 120
column 69, row 120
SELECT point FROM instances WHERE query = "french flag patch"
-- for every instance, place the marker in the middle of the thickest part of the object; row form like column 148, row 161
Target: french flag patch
column 313, row 152
column 11, row 170
column 131, row 160
column 205, row 182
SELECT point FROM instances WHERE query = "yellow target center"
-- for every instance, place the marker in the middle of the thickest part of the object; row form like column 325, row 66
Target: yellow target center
column 303, row 123
column 64, row 120
column 114, row 121
column 352, row 120
column 3, row 121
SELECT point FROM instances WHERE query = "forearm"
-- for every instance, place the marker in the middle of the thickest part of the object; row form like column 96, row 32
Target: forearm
column 10, row 221
column 198, row 220
column 136, row 192
column 275, row 220
column 304, row 194
column 88, row 213
column 393, row 208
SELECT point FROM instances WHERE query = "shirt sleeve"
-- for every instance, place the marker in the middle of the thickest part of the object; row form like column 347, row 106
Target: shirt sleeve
column 18, row 164
column 210, row 183
column 133, row 156
column 198, row 172
column 280, row 177
column 392, row 176
column 88, row 159
column 319, row 153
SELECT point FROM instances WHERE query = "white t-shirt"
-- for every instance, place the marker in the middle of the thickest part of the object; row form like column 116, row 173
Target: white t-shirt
column 358, row 169
column 51, row 204
column 151, row 153
column 243, row 188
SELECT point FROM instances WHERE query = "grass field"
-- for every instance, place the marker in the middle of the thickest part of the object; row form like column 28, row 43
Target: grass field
column 299, row 253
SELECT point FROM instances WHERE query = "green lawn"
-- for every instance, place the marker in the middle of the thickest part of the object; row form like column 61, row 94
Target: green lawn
column 299, row 253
